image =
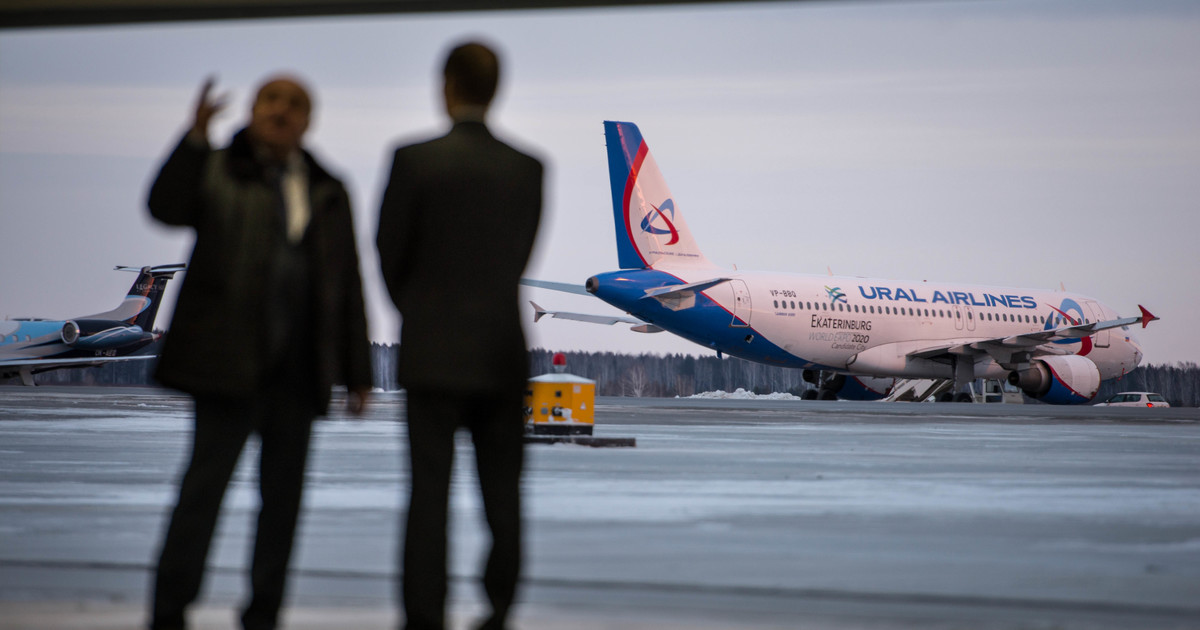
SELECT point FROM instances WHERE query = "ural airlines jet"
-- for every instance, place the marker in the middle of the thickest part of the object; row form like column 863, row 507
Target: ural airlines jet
column 29, row 346
column 853, row 336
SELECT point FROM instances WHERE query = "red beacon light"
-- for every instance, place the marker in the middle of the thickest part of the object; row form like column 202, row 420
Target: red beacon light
column 559, row 362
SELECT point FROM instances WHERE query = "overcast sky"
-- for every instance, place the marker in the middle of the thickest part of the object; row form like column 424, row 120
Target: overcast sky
column 1022, row 144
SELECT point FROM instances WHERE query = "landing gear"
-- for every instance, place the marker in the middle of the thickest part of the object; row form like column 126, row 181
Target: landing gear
column 960, row 397
column 827, row 385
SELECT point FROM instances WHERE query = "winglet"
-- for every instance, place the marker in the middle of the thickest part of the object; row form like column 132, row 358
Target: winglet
column 538, row 311
column 1147, row 316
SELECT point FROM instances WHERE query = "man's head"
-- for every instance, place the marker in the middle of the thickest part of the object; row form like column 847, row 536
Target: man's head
column 472, row 72
column 280, row 115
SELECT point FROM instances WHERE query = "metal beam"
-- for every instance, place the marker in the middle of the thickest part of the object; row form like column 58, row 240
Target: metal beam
column 60, row 13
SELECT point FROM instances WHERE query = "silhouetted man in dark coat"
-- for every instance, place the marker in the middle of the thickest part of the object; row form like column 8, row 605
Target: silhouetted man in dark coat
column 456, row 227
column 269, row 317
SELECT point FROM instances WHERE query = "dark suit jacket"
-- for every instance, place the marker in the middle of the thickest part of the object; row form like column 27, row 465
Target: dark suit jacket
column 215, row 345
column 456, row 227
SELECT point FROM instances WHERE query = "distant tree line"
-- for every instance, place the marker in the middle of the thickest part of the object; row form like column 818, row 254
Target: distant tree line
column 659, row 376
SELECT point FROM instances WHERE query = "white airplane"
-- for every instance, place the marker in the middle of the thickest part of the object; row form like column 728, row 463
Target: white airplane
column 854, row 337
column 29, row 346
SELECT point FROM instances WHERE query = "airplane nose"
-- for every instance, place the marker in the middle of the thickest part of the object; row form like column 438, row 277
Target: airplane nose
column 1136, row 349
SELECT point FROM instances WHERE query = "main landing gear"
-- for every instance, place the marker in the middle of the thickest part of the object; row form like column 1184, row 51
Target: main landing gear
column 827, row 385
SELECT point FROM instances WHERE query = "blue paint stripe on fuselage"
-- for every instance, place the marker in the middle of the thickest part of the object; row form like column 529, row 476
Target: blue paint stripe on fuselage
column 707, row 323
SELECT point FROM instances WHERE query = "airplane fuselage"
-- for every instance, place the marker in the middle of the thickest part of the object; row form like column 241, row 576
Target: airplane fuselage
column 863, row 326
column 48, row 339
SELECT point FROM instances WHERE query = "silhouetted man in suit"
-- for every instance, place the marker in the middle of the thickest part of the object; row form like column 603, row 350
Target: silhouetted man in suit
column 456, row 226
column 269, row 317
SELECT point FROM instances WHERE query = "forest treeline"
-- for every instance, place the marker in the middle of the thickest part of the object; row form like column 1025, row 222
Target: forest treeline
column 670, row 375
column 662, row 376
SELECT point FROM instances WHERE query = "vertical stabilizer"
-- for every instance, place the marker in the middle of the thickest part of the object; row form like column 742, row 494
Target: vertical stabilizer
column 141, row 303
column 650, row 229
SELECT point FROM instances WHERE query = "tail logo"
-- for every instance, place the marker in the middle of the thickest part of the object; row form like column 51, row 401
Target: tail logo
column 665, row 212
column 835, row 295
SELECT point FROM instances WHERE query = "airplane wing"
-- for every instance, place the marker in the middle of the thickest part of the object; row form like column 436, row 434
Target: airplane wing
column 25, row 368
column 639, row 325
column 1003, row 349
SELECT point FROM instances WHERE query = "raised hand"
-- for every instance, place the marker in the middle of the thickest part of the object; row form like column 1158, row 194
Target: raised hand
column 206, row 108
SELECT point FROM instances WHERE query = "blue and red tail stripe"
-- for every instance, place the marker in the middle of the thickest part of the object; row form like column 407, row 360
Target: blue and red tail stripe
column 626, row 152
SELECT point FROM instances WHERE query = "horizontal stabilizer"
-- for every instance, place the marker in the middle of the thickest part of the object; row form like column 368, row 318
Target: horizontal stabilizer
column 682, row 290
column 539, row 312
column 555, row 286
column 156, row 269
column 678, row 297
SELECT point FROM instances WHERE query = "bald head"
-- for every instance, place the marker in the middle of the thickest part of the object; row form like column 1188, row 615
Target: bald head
column 280, row 114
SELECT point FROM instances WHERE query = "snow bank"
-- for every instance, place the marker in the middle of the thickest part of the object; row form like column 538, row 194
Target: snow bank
column 742, row 394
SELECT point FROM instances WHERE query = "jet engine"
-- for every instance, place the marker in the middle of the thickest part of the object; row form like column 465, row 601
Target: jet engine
column 99, row 334
column 70, row 333
column 1059, row 380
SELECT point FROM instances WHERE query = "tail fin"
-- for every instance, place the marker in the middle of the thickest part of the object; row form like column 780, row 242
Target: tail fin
column 651, row 232
column 150, row 284
column 141, row 303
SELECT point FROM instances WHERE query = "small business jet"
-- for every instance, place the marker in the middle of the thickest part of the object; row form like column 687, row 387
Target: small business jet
column 855, row 338
column 29, row 346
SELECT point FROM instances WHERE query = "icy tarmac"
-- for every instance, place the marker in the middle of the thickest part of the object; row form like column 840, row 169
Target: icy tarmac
column 728, row 514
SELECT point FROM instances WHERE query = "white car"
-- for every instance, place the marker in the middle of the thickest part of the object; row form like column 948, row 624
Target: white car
column 1135, row 399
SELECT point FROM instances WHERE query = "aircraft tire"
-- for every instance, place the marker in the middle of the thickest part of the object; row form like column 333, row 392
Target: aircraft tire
column 809, row 394
column 963, row 397
column 826, row 394
column 945, row 397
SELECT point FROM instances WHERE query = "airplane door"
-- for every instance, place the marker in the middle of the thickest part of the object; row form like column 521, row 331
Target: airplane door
column 958, row 317
column 1102, row 338
column 741, row 304
column 970, row 318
